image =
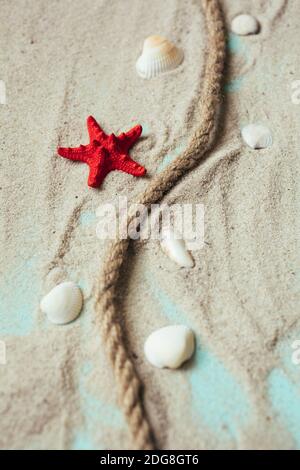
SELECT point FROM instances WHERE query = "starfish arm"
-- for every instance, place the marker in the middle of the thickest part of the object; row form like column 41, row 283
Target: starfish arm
column 99, row 168
column 81, row 153
column 129, row 138
column 130, row 166
column 95, row 131
column 96, row 176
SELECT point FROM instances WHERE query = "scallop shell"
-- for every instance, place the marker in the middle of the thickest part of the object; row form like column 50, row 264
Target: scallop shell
column 257, row 136
column 243, row 25
column 174, row 246
column 170, row 346
column 63, row 303
column 159, row 55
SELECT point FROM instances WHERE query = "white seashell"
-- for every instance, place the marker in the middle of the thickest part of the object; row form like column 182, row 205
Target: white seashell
column 63, row 303
column 170, row 346
column 159, row 55
column 174, row 246
column 243, row 25
column 257, row 136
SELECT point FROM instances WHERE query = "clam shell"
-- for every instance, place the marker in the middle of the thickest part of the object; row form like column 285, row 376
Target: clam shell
column 63, row 303
column 243, row 25
column 170, row 346
column 159, row 55
column 174, row 246
column 257, row 136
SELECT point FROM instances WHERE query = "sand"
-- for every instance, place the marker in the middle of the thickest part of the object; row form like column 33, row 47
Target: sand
column 64, row 60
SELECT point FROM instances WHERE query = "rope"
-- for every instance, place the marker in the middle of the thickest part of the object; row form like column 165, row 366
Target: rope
column 128, row 383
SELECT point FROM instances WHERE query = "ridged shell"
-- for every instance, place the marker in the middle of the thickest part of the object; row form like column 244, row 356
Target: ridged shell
column 170, row 346
column 63, row 303
column 159, row 55
column 174, row 246
column 257, row 136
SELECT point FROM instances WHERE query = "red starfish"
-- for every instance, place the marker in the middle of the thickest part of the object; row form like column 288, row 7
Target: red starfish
column 105, row 153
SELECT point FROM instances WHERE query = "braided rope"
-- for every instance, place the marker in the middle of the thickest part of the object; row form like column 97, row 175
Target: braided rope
column 128, row 382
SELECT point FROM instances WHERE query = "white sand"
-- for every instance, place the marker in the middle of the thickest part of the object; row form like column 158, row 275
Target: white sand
column 64, row 60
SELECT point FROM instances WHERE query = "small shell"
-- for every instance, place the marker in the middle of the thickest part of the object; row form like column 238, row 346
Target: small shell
column 174, row 246
column 159, row 55
column 170, row 346
column 243, row 25
column 257, row 136
column 63, row 303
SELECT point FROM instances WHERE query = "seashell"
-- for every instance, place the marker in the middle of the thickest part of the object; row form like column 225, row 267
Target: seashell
column 257, row 136
column 243, row 25
column 63, row 303
column 174, row 246
column 159, row 55
column 170, row 346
